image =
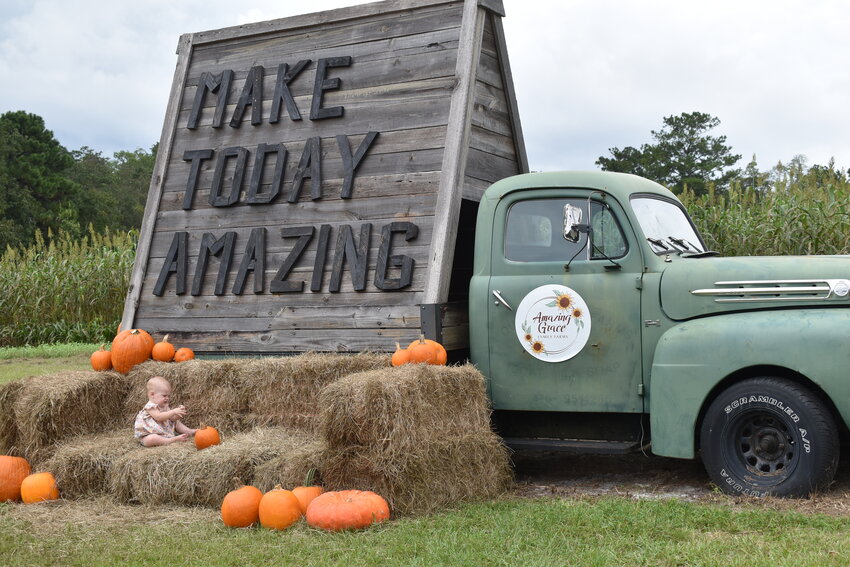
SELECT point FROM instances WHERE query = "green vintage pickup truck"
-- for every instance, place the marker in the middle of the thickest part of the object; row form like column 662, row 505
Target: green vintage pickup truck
column 603, row 323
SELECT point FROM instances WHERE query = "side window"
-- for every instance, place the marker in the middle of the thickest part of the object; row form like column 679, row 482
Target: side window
column 535, row 231
column 607, row 238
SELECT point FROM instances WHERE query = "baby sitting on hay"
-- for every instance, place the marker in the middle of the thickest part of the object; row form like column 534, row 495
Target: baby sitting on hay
column 158, row 424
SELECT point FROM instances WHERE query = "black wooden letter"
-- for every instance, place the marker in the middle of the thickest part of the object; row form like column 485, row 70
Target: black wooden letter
column 252, row 93
column 222, row 247
column 216, row 199
column 321, row 256
column 282, row 92
column 212, row 83
column 196, row 157
column 322, row 84
column 279, row 283
column 351, row 163
column 176, row 261
column 310, row 165
column 254, row 260
column 385, row 260
column 255, row 197
column 358, row 255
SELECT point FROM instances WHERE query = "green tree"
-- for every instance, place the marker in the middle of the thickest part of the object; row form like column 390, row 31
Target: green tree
column 133, row 172
column 683, row 154
column 35, row 193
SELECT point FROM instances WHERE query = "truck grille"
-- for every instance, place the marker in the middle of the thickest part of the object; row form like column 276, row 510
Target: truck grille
column 777, row 290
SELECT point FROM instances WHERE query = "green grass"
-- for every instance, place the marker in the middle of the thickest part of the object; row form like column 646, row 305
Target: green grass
column 605, row 531
column 20, row 362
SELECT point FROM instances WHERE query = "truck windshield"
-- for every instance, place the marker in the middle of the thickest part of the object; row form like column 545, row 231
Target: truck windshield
column 666, row 225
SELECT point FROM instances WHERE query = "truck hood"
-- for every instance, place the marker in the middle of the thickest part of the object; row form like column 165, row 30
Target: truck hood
column 694, row 287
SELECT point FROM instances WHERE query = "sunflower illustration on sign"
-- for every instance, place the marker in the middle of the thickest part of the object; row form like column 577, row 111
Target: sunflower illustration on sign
column 553, row 323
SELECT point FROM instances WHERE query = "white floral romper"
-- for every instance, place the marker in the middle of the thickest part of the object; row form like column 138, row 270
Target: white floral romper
column 145, row 424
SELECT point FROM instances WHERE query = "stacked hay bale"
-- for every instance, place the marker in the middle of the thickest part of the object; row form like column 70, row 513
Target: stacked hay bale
column 50, row 409
column 419, row 435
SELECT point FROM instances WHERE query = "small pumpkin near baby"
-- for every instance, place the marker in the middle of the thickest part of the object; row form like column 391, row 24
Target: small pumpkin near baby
column 426, row 351
column 39, row 487
column 183, row 354
column 163, row 351
column 206, row 436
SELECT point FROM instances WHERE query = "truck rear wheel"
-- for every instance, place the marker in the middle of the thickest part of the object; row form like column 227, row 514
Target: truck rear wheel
column 769, row 436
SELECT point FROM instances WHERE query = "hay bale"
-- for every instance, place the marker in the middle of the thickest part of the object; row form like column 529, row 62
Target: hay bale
column 180, row 474
column 8, row 426
column 54, row 407
column 291, row 468
column 405, row 407
column 284, row 391
column 211, row 390
column 439, row 474
column 418, row 435
column 81, row 465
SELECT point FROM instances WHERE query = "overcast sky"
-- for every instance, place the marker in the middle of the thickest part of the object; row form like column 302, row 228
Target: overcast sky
column 589, row 74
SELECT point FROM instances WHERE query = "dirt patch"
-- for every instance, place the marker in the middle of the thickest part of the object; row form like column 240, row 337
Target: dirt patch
column 542, row 474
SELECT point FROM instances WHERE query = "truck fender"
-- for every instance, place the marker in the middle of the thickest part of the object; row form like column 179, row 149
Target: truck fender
column 693, row 357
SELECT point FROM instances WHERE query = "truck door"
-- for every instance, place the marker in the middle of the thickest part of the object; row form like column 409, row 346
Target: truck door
column 564, row 316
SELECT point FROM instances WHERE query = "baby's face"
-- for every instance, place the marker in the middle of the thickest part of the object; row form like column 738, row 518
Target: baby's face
column 160, row 395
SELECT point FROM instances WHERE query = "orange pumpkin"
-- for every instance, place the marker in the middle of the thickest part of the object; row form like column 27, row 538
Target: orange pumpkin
column 241, row 507
column 306, row 494
column 279, row 509
column 206, row 436
column 400, row 356
column 39, row 487
column 184, row 354
column 347, row 510
column 130, row 348
column 101, row 360
column 13, row 471
column 163, row 351
column 440, row 357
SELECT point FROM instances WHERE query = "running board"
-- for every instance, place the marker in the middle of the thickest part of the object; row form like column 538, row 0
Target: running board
column 572, row 445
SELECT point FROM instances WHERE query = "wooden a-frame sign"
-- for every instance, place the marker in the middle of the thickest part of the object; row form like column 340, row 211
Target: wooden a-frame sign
column 317, row 179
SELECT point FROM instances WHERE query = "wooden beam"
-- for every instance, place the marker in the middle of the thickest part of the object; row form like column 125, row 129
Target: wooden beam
column 454, row 157
column 166, row 140
column 510, row 93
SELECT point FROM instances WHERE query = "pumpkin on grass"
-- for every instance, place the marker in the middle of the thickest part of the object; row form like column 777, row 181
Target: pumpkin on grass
column 206, row 436
column 347, row 510
column 308, row 492
column 279, row 509
column 101, row 360
column 241, row 507
column 129, row 348
column 39, row 487
column 163, row 351
column 184, row 354
column 13, row 471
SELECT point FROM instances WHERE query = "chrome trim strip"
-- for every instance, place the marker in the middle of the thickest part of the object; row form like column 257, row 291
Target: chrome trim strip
column 780, row 290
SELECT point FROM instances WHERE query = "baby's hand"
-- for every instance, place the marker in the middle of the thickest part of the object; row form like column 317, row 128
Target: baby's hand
column 179, row 411
column 179, row 438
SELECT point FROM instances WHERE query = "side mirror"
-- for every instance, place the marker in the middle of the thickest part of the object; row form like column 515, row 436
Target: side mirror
column 573, row 228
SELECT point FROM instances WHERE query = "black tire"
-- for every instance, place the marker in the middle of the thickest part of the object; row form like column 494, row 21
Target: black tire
column 769, row 437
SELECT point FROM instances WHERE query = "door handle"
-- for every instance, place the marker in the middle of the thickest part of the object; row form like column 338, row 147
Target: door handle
column 501, row 299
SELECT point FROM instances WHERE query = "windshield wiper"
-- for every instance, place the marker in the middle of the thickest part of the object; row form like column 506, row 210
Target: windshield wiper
column 683, row 243
column 659, row 243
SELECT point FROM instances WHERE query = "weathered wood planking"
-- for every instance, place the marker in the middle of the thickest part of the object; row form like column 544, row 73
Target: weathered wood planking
column 289, row 143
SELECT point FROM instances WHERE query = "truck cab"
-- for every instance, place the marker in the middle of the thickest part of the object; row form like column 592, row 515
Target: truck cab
column 603, row 323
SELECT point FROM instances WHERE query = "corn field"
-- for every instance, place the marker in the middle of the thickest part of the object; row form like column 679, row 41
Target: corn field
column 794, row 219
column 62, row 290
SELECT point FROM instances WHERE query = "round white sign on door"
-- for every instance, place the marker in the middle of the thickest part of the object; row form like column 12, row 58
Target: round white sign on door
column 553, row 323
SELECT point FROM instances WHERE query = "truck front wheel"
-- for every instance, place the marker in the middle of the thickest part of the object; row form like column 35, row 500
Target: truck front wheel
column 769, row 436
